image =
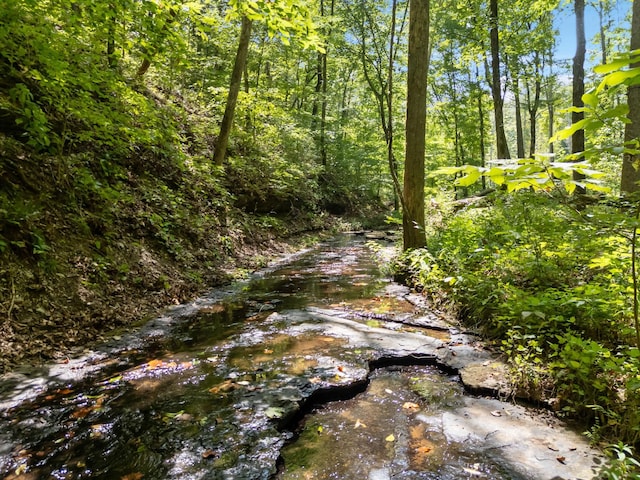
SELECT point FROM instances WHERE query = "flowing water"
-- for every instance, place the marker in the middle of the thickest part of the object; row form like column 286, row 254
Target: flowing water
column 317, row 368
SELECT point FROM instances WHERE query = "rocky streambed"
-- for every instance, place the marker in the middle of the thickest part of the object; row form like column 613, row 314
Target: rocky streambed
column 317, row 368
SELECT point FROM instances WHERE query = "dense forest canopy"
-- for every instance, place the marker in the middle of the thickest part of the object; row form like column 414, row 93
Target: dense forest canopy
column 140, row 133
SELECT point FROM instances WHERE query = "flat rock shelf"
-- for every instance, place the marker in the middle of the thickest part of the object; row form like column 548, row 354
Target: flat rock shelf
column 318, row 367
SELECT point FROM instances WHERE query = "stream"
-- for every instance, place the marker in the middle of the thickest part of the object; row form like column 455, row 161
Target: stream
column 318, row 367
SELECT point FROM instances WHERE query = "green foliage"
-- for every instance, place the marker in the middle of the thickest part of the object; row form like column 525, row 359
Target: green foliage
column 535, row 174
column 553, row 286
column 622, row 465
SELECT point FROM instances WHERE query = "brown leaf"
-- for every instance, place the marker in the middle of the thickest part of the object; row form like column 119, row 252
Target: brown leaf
column 209, row 453
column 154, row 364
column 132, row 476
column 412, row 407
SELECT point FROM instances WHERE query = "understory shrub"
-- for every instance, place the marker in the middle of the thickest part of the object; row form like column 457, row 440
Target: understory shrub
column 552, row 285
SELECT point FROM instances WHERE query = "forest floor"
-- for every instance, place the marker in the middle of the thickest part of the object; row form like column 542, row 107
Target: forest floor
column 50, row 315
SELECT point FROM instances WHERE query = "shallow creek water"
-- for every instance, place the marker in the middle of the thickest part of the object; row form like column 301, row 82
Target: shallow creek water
column 317, row 368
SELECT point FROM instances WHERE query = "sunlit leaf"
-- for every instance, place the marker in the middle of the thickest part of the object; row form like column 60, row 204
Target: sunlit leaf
column 359, row 424
column 390, row 438
column 468, row 179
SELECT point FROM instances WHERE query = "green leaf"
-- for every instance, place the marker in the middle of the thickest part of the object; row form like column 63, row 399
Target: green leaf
column 618, row 78
column 569, row 131
column 590, row 99
column 612, row 66
column 469, row 179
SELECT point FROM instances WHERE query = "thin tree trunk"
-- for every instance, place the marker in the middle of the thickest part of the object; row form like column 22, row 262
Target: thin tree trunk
column 417, row 70
column 533, row 106
column 519, row 129
column 393, row 166
column 111, row 36
column 630, row 172
column 234, row 88
column 550, row 101
column 577, row 139
column 603, row 36
column 496, row 91
column 481, row 124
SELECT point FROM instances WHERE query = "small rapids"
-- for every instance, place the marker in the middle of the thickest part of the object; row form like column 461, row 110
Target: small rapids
column 319, row 367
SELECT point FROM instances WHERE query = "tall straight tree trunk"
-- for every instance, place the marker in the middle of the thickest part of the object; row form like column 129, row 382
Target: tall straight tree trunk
column 417, row 70
column 496, row 90
column 533, row 105
column 519, row 129
column 550, row 101
column 234, row 88
column 577, row 139
column 603, row 36
column 111, row 36
column 481, row 124
column 630, row 163
column 391, row 159
column 323, row 113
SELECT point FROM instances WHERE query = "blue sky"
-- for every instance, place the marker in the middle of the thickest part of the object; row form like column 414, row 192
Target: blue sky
column 565, row 23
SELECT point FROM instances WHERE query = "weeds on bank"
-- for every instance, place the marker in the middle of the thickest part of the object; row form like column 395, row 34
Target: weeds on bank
column 554, row 288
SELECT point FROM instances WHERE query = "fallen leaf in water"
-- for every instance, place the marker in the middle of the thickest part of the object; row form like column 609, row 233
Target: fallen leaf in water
column 83, row 412
column 424, row 450
column 390, row 438
column 359, row 424
column 390, row 392
column 320, row 429
column 209, row 453
column 224, row 387
column 562, row 460
column 267, row 351
column 151, row 364
column 412, row 407
column 496, row 413
column 132, row 476
column 315, row 380
column 21, row 469
column 341, row 368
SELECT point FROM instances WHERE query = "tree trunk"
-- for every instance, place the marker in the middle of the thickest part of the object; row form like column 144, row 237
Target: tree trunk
column 533, row 105
column 391, row 159
column 519, row 129
column 417, row 70
column 481, row 125
column 496, row 91
column 603, row 37
column 550, row 101
column 630, row 172
column 577, row 139
column 234, row 88
column 111, row 36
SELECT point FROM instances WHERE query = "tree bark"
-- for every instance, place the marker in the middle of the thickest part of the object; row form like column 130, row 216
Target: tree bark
column 234, row 88
column 577, row 139
column 630, row 163
column 496, row 91
column 519, row 128
column 417, row 70
column 481, row 125
column 533, row 105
